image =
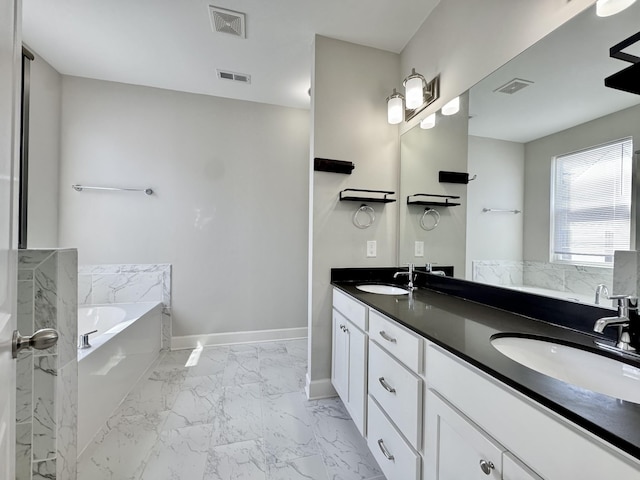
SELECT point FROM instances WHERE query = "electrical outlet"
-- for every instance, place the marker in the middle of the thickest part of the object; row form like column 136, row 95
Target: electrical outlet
column 371, row 248
column 419, row 249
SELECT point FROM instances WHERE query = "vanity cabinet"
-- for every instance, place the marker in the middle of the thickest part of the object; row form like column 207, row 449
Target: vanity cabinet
column 348, row 366
column 535, row 439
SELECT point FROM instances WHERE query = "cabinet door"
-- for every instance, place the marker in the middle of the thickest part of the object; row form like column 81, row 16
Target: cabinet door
column 513, row 469
column 340, row 357
column 457, row 449
column 357, row 376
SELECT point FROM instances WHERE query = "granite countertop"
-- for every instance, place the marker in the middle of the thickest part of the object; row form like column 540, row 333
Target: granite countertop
column 465, row 328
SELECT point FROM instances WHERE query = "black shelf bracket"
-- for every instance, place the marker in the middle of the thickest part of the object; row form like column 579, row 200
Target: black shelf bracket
column 364, row 195
column 432, row 200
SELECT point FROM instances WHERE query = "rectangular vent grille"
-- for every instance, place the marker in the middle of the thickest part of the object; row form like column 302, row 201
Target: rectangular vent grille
column 233, row 76
column 513, row 86
column 227, row 21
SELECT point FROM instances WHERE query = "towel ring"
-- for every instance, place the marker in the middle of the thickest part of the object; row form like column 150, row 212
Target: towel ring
column 431, row 213
column 369, row 212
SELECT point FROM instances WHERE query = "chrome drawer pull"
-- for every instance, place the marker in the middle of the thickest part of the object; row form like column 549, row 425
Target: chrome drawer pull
column 386, row 386
column 385, row 452
column 384, row 335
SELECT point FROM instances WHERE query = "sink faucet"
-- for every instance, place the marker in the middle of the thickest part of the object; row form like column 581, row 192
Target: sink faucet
column 622, row 321
column 600, row 289
column 409, row 273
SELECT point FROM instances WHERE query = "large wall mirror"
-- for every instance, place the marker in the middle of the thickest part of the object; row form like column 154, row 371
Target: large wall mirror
column 526, row 132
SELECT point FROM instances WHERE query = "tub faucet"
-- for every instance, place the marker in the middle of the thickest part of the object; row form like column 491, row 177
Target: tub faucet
column 601, row 289
column 622, row 321
column 409, row 273
column 83, row 340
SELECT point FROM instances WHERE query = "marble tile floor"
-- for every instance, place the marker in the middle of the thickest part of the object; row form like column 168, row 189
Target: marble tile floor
column 229, row 413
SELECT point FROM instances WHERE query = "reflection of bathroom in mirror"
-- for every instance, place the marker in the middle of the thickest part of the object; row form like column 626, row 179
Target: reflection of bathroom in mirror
column 548, row 102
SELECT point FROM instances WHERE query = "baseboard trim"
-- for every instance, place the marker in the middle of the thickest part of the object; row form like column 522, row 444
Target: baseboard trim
column 318, row 389
column 230, row 338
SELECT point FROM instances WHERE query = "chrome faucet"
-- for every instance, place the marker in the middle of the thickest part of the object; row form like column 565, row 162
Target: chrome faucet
column 601, row 289
column 409, row 273
column 622, row 321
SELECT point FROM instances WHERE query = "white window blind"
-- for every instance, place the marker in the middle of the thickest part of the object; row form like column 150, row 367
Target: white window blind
column 591, row 204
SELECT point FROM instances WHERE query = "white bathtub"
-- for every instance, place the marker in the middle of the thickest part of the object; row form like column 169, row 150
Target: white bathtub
column 570, row 296
column 128, row 341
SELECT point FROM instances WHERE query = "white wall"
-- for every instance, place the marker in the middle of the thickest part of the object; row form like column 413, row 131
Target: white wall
column 464, row 41
column 349, row 122
column 230, row 206
column 538, row 158
column 44, row 154
column 499, row 166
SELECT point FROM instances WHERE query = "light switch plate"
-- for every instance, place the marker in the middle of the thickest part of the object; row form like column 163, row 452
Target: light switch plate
column 419, row 249
column 371, row 248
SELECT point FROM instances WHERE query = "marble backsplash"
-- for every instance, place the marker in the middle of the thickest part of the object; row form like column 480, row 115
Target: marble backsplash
column 47, row 380
column 559, row 277
column 128, row 283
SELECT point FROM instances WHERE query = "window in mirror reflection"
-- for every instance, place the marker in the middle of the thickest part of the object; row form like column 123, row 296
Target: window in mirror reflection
column 591, row 204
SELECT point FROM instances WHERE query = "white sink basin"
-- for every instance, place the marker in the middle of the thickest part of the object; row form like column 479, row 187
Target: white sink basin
column 575, row 366
column 382, row 289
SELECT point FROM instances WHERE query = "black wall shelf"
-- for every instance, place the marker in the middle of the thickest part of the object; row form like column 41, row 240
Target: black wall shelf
column 333, row 166
column 433, row 200
column 364, row 195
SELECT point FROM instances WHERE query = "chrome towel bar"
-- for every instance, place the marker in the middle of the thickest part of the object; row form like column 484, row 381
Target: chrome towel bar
column 80, row 188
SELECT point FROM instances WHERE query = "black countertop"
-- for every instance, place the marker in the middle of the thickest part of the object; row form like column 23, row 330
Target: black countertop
column 465, row 328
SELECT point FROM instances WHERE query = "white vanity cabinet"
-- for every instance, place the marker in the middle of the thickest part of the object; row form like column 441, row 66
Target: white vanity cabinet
column 349, row 357
column 536, row 442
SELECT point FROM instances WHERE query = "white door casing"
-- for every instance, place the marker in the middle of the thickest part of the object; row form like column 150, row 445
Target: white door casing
column 10, row 54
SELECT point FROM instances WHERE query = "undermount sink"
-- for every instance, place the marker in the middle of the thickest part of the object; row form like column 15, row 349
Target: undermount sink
column 573, row 365
column 382, row 289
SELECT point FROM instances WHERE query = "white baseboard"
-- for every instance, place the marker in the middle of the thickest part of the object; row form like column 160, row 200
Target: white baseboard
column 229, row 338
column 318, row 389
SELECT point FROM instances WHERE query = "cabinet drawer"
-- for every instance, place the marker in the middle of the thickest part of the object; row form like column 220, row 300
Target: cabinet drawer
column 396, row 458
column 352, row 310
column 404, row 345
column 398, row 391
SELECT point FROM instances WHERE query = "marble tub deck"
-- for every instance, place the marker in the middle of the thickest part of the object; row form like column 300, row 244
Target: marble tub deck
column 231, row 412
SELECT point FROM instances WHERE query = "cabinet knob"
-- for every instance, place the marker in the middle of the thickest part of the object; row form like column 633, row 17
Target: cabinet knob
column 486, row 467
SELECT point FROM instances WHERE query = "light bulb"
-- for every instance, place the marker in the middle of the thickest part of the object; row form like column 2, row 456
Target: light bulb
column 428, row 122
column 606, row 8
column 395, row 109
column 452, row 107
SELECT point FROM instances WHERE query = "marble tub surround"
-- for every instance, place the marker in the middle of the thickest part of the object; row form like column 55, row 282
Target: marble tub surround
column 625, row 273
column 229, row 412
column 577, row 279
column 128, row 283
column 47, row 380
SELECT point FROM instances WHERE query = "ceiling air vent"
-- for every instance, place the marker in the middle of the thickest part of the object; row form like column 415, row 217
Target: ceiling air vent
column 513, row 86
column 227, row 21
column 233, row 76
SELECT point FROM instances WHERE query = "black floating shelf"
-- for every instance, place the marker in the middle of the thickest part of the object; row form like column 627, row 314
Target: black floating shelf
column 333, row 166
column 363, row 198
column 431, row 201
column 453, row 177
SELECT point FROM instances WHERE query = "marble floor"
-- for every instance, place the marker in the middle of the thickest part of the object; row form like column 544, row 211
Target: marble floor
column 232, row 412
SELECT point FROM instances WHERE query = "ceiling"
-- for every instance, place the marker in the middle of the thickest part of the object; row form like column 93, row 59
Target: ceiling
column 170, row 43
column 568, row 68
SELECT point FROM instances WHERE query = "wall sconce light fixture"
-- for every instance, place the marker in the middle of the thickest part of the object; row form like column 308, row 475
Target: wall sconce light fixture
column 395, row 108
column 452, row 107
column 606, row 8
column 418, row 93
column 428, row 122
column 414, row 86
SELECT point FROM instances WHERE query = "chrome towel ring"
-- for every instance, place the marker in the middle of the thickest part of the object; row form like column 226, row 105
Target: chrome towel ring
column 429, row 224
column 370, row 214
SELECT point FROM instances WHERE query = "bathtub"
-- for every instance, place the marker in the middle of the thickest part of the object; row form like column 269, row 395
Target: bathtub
column 126, row 344
column 570, row 296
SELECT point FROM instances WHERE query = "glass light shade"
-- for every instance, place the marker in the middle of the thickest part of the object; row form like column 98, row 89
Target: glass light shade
column 428, row 122
column 395, row 109
column 414, row 93
column 452, row 107
column 606, row 8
